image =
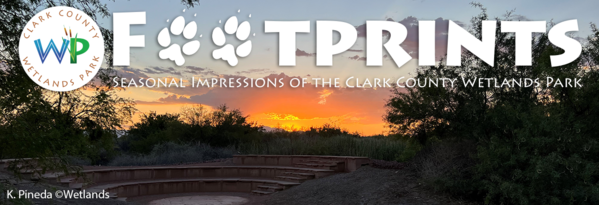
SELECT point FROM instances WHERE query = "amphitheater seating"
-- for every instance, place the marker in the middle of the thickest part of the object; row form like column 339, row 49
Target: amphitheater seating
column 337, row 163
column 259, row 174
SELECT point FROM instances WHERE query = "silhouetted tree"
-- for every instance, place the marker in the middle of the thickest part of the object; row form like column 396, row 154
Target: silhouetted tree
column 220, row 127
column 48, row 125
column 536, row 145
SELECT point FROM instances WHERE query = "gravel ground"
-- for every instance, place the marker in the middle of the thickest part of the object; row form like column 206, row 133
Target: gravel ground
column 366, row 185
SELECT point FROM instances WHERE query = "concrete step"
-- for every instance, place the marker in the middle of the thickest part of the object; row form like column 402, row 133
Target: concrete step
column 300, row 175
column 284, row 186
column 335, row 165
column 76, row 186
column 47, row 177
column 65, row 180
column 291, row 179
column 141, row 188
column 270, row 188
column 119, row 174
column 259, row 192
column 314, row 165
column 30, row 171
column 320, row 161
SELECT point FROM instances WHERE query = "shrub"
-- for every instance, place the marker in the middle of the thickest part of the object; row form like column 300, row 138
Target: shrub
column 328, row 130
column 341, row 145
column 448, row 166
column 535, row 145
column 170, row 153
column 440, row 158
column 545, row 162
column 220, row 127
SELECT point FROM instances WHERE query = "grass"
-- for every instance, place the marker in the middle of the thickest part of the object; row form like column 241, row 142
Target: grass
column 375, row 148
column 382, row 148
column 172, row 153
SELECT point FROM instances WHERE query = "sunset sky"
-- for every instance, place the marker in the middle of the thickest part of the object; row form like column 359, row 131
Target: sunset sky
column 355, row 109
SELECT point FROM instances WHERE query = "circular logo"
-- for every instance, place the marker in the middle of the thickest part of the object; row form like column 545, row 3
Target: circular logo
column 61, row 48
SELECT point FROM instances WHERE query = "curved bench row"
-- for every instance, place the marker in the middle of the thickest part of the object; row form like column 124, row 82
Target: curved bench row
column 154, row 187
column 260, row 174
column 102, row 176
column 344, row 163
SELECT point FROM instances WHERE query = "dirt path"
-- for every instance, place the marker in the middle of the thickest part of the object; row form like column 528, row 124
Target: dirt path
column 251, row 199
column 366, row 185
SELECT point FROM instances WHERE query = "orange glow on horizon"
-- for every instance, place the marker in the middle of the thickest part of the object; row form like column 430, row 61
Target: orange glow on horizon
column 275, row 116
column 287, row 122
column 355, row 110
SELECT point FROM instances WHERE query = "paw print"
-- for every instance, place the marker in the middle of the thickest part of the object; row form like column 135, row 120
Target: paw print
column 173, row 52
column 228, row 52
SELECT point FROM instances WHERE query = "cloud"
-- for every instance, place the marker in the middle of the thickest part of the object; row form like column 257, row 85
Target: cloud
column 255, row 71
column 356, row 57
column 299, row 52
column 309, row 102
column 134, row 73
column 199, row 71
column 363, row 58
column 172, row 98
column 362, row 29
column 355, row 50
column 128, row 72
column 411, row 42
column 277, row 116
column 323, row 96
column 159, row 70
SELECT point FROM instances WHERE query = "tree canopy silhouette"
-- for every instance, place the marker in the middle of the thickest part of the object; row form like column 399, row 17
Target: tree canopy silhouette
column 536, row 145
column 47, row 125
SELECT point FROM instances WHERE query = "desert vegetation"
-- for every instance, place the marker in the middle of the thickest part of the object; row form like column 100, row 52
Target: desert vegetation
column 196, row 130
column 498, row 145
column 341, row 145
column 170, row 153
